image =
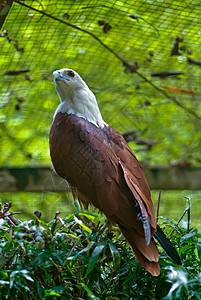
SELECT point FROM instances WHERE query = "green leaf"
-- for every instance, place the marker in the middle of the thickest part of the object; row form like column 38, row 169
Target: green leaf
column 26, row 288
column 88, row 216
column 89, row 213
column 2, row 282
column 28, row 277
column 86, row 248
column 95, row 254
column 77, row 206
column 82, row 224
column 187, row 236
column 12, row 278
column 197, row 295
column 59, row 288
column 89, row 292
column 169, row 221
column 74, row 257
column 74, row 236
column 51, row 293
column 7, row 236
column 115, row 255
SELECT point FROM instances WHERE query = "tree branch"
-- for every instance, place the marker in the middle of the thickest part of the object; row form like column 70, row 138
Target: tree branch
column 174, row 99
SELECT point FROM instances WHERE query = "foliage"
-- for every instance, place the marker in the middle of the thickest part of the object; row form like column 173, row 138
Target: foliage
column 78, row 258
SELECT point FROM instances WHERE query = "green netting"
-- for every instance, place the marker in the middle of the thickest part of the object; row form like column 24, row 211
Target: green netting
column 140, row 32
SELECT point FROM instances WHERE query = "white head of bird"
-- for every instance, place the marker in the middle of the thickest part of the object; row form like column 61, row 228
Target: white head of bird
column 76, row 98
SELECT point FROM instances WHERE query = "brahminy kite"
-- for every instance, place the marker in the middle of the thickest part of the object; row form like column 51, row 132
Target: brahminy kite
column 102, row 170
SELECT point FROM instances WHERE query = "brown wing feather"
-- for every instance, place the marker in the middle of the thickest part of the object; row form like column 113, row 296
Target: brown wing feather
column 101, row 167
column 133, row 172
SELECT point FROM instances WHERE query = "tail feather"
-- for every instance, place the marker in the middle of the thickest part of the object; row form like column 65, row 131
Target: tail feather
column 147, row 255
column 167, row 245
column 151, row 266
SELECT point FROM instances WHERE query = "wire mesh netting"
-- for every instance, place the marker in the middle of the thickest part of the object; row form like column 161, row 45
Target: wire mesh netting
column 141, row 59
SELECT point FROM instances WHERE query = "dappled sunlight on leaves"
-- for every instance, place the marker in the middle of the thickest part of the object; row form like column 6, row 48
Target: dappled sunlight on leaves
column 64, row 258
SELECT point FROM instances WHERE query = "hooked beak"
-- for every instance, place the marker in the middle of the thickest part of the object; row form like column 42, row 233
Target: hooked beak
column 58, row 76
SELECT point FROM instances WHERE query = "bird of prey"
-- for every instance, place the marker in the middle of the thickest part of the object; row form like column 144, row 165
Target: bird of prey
column 102, row 170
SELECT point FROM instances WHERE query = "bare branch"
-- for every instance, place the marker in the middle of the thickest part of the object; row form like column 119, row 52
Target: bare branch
column 174, row 99
column 55, row 221
column 158, row 206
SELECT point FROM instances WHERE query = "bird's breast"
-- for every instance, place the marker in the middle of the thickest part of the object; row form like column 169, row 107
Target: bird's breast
column 73, row 150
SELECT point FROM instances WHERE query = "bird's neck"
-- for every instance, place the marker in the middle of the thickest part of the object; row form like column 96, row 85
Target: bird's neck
column 82, row 103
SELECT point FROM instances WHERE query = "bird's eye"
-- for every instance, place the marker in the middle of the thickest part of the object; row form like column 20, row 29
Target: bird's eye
column 71, row 74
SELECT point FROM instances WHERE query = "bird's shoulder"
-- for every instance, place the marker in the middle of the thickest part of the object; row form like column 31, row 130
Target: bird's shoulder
column 123, row 151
